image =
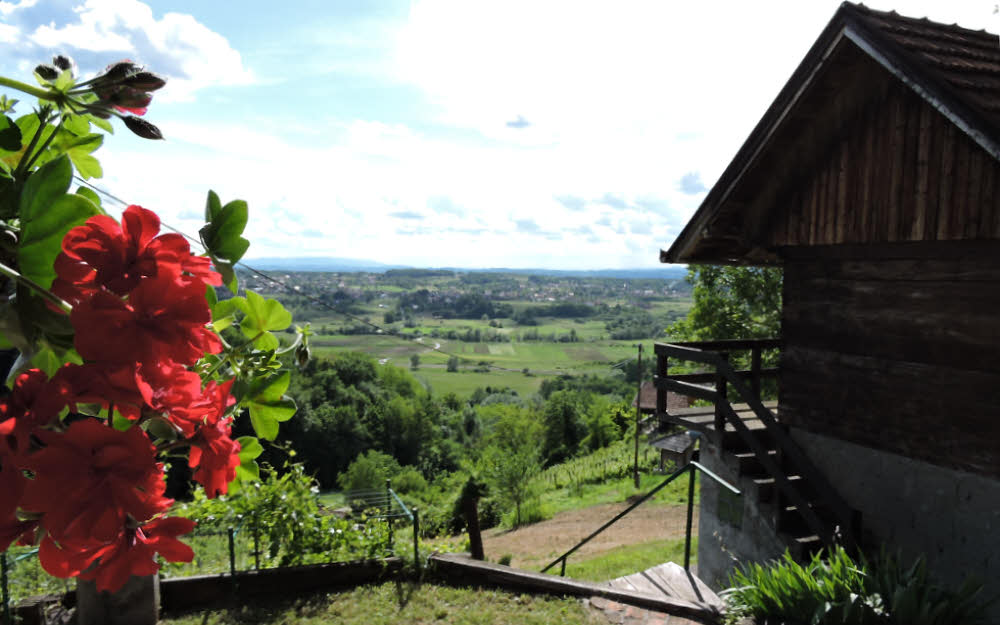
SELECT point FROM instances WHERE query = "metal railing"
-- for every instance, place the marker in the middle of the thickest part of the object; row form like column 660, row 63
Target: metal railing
column 386, row 504
column 716, row 354
column 690, row 469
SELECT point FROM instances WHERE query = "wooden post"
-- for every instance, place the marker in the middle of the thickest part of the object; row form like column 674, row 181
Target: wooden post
column 662, row 364
column 638, row 419
column 388, row 511
column 256, row 540
column 416, row 538
column 690, row 512
column 720, row 390
column 755, row 370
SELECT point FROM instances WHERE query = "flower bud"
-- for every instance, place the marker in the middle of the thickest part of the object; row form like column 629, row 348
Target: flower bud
column 119, row 71
column 47, row 72
column 144, row 81
column 128, row 98
column 142, row 128
column 64, row 62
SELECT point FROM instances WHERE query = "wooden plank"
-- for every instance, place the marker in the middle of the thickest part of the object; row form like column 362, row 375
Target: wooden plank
column 946, row 181
column 920, row 205
column 868, row 178
column 895, row 182
column 974, row 185
column 987, row 189
column 908, row 164
column 959, row 213
column 688, row 390
column 466, row 570
column 934, row 164
column 843, row 208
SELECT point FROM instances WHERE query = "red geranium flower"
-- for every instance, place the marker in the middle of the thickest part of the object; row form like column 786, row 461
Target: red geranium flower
column 215, row 456
column 35, row 401
column 91, row 478
column 163, row 319
column 104, row 254
column 132, row 552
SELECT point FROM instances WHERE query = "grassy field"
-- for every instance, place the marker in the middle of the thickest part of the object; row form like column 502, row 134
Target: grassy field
column 629, row 559
column 392, row 603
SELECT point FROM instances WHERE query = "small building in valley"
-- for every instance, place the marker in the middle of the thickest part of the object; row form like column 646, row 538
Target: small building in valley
column 873, row 180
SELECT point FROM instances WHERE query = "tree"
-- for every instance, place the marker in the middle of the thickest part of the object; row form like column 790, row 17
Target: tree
column 512, row 458
column 453, row 364
column 731, row 303
column 414, row 362
column 564, row 427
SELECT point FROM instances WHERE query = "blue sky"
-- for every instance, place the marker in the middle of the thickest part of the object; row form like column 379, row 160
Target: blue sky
column 440, row 132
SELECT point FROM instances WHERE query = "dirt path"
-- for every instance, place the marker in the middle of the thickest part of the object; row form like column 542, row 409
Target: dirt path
column 534, row 546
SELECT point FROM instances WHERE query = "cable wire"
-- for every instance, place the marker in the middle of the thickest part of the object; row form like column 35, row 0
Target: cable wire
column 293, row 291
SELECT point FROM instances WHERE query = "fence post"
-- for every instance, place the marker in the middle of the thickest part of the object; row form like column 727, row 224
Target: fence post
column 416, row 538
column 256, row 541
column 687, row 531
column 6, row 590
column 232, row 557
column 388, row 511
column 638, row 419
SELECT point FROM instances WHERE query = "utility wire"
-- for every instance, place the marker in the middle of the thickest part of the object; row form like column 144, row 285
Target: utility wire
column 293, row 291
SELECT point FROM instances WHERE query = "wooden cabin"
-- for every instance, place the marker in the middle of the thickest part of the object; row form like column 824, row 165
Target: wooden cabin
column 873, row 180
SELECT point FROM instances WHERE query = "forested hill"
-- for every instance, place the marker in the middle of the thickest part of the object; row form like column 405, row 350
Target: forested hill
column 667, row 272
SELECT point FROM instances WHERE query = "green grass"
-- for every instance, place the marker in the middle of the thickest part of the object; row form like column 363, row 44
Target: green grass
column 628, row 560
column 392, row 603
column 562, row 499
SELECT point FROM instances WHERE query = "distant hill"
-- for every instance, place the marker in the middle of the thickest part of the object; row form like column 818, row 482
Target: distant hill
column 667, row 272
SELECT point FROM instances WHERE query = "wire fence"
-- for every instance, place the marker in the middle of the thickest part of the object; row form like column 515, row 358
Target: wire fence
column 244, row 546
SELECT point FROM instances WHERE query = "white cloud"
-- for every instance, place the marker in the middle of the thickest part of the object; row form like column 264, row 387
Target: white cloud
column 98, row 32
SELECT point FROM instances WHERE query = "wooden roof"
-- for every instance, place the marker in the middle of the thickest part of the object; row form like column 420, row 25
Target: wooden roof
column 862, row 60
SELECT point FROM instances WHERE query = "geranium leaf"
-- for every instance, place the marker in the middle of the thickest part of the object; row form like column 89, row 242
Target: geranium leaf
column 103, row 124
column 213, row 206
column 44, row 186
column 43, row 231
column 10, row 135
column 268, row 404
column 262, row 317
column 90, row 194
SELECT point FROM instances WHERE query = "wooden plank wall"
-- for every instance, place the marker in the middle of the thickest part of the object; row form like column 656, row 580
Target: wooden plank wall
column 897, row 354
column 899, row 172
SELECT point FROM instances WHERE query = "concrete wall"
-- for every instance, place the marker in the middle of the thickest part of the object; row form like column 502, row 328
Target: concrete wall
column 726, row 539
column 949, row 516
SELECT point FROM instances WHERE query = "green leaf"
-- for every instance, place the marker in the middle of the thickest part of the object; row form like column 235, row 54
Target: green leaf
column 10, row 135
column 250, row 448
column 76, row 124
column 43, row 231
column 88, row 166
column 268, row 404
column 213, row 206
column 263, row 316
column 90, row 194
column 103, row 124
column 44, row 186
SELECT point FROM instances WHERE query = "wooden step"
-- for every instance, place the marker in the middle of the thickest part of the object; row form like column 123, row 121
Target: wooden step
column 750, row 465
column 768, row 491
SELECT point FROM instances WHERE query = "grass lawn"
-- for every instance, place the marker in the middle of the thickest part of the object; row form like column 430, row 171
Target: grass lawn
column 629, row 559
column 404, row 604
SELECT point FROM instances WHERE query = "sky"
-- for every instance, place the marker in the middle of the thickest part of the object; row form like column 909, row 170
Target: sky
column 538, row 133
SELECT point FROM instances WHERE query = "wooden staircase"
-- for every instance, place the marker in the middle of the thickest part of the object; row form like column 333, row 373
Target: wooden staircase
column 801, row 505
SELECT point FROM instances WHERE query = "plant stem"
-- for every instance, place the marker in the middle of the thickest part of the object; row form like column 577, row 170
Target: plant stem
column 38, row 92
column 43, row 115
column 45, row 145
column 41, row 291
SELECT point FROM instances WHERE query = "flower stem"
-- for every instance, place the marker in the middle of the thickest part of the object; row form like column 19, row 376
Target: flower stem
column 43, row 119
column 41, row 94
column 41, row 291
column 45, row 145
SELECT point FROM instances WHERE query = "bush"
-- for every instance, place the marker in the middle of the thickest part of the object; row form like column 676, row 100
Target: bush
column 368, row 471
